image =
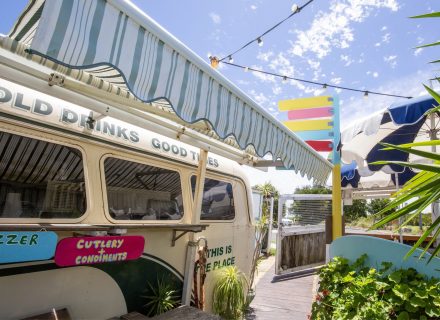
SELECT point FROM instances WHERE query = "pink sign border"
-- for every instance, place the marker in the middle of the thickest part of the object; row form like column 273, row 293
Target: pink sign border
column 79, row 251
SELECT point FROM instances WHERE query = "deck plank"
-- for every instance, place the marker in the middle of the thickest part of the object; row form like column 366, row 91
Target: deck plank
column 285, row 299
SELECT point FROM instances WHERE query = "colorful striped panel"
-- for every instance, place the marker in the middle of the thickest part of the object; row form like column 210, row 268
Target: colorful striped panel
column 310, row 113
column 315, row 135
column 305, row 103
column 309, row 125
column 324, row 146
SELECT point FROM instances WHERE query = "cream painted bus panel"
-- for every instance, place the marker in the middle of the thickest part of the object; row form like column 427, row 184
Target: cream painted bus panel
column 158, row 244
column 87, row 293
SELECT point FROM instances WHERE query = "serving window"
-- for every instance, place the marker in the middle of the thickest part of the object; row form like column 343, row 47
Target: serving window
column 40, row 179
column 137, row 191
column 218, row 199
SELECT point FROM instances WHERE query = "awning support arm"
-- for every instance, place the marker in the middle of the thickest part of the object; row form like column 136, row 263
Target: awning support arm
column 192, row 244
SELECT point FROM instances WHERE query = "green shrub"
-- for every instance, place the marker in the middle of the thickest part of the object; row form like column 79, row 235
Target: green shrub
column 228, row 294
column 160, row 298
column 353, row 291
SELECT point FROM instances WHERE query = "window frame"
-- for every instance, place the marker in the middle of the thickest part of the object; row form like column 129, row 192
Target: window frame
column 149, row 162
column 228, row 179
column 59, row 140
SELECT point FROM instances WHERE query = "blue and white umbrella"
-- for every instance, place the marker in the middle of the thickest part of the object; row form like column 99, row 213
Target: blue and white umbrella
column 400, row 123
column 350, row 178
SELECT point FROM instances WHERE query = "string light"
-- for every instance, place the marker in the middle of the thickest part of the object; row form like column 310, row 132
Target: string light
column 214, row 61
column 295, row 10
column 231, row 60
column 284, row 79
column 324, row 85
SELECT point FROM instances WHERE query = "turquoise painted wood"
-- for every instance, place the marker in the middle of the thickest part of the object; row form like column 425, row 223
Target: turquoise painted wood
column 27, row 246
column 379, row 250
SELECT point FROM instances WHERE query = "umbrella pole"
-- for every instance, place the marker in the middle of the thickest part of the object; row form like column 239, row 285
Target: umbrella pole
column 396, row 175
column 336, row 174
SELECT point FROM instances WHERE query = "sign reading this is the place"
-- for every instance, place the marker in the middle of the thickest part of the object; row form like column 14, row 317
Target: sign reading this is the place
column 91, row 250
column 17, row 246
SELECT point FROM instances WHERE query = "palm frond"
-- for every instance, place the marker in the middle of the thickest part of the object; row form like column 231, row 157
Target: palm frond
column 427, row 15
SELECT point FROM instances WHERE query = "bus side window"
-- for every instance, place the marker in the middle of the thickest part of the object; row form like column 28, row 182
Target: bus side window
column 40, row 179
column 218, row 199
column 137, row 191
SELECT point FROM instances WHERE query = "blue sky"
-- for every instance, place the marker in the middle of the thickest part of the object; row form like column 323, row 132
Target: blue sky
column 365, row 44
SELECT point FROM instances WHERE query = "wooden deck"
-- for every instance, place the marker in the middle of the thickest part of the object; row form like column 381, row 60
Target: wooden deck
column 284, row 299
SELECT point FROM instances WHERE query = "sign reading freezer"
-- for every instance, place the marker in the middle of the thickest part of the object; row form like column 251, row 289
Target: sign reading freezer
column 27, row 246
column 91, row 250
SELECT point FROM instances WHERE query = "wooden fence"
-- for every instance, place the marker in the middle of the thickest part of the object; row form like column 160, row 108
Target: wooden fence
column 300, row 248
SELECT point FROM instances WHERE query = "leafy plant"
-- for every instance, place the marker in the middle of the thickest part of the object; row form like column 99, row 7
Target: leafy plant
column 228, row 294
column 268, row 191
column 261, row 230
column 422, row 189
column 161, row 298
column 353, row 291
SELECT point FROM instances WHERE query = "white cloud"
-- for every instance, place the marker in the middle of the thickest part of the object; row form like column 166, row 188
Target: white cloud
column 333, row 29
column 215, row 18
column 375, row 74
column 348, row 61
column 264, row 56
column 259, row 97
column 276, row 90
column 253, row 7
column 386, row 38
column 418, row 51
column 384, row 28
column 281, row 65
column 243, row 82
column 314, row 64
column 336, row 81
column 391, row 60
column 262, row 76
column 377, row 44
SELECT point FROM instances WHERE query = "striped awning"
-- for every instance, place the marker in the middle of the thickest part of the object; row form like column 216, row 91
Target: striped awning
column 116, row 42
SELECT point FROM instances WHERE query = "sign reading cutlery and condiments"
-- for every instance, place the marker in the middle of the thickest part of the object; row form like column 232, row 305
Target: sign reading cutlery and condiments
column 20, row 246
column 91, row 250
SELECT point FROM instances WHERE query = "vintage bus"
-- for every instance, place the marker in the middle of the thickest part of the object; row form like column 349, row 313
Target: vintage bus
column 58, row 169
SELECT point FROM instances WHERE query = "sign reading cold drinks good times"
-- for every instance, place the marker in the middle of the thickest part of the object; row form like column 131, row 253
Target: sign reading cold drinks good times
column 78, row 251
column 27, row 246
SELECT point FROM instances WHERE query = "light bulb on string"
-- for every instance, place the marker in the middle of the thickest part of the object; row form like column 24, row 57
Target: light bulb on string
column 260, row 42
column 324, row 86
column 230, row 59
column 295, row 8
column 284, row 79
